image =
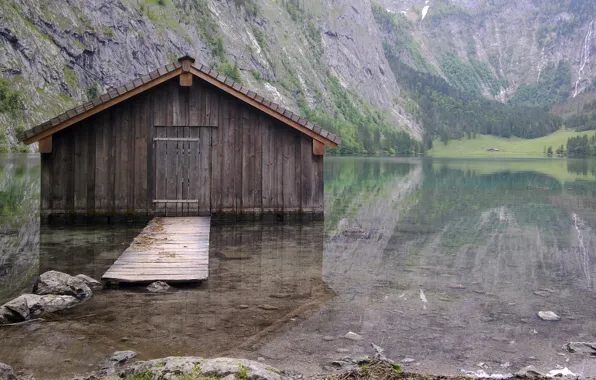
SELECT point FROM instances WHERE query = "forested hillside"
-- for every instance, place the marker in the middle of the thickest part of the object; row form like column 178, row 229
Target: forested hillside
column 385, row 75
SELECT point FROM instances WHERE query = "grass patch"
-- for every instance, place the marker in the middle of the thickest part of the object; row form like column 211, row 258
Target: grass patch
column 385, row 371
column 513, row 147
column 242, row 373
column 70, row 77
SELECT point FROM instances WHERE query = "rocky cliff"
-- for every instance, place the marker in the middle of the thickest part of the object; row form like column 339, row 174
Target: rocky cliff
column 313, row 56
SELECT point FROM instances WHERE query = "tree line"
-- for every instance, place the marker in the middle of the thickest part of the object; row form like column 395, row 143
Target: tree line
column 450, row 113
column 577, row 147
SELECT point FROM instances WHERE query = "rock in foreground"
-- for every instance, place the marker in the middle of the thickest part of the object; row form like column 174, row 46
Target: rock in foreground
column 91, row 282
column 6, row 372
column 30, row 306
column 176, row 367
column 55, row 291
column 54, row 282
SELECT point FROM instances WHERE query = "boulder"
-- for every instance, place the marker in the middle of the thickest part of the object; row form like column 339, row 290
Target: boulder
column 92, row 283
column 19, row 307
column 29, row 306
column 6, row 372
column 58, row 283
column 8, row 316
column 40, row 305
column 159, row 287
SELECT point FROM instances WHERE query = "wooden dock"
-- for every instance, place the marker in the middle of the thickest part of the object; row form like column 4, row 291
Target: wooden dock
column 168, row 249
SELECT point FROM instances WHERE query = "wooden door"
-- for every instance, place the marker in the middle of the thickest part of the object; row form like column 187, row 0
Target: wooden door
column 176, row 152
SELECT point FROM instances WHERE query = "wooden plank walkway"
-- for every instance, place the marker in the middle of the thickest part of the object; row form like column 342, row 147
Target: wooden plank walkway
column 168, row 249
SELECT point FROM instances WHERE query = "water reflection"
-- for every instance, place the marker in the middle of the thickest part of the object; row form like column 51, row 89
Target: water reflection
column 448, row 263
column 443, row 261
column 261, row 277
column 19, row 223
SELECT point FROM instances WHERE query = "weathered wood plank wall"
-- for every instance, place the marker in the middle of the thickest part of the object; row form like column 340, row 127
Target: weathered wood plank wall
column 244, row 163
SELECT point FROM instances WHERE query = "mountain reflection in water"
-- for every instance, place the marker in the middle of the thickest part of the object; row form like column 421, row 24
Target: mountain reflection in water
column 446, row 262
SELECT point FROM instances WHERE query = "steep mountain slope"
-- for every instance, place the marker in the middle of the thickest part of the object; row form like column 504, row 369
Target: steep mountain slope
column 61, row 53
column 507, row 44
column 325, row 59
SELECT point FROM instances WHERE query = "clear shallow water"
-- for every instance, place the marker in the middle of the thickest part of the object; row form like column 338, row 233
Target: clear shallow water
column 443, row 261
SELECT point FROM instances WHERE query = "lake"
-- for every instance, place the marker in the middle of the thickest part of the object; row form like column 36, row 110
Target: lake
column 443, row 263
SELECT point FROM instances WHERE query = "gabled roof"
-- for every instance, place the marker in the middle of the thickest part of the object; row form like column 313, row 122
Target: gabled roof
column 184, row 65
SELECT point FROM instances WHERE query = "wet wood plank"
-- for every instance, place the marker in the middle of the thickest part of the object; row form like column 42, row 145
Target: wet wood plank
column 168, row 249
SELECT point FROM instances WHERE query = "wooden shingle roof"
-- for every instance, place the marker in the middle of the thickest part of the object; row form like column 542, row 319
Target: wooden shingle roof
column 128, row 90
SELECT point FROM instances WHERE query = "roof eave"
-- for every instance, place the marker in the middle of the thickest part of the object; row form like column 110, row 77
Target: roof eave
column 257, row 101
column 48, row 129
column 164, row 74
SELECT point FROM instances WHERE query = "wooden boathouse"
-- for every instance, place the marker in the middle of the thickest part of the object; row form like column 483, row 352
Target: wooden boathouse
column 180, row 141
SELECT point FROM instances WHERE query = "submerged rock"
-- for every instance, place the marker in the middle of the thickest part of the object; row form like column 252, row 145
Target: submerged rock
column 176, row 367
column 19, row 307
column 582, row 348
column 548, row 316
column 268, row 307
column 122, row 356
column 28, row 306
column 6, row 372
column 58, row 283
column 380, row 353
column 353, row 336
column 159, row 287
column 40, row 305
column 529, row 372
column 92, row 283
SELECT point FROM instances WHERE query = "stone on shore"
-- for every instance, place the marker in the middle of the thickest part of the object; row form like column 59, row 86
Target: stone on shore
column 28, row 306
column 6, row 372
column 7, row 316
column 19, row 307
column 92, row 283
column 58, row 283
column 41, row 305
column 175, row 367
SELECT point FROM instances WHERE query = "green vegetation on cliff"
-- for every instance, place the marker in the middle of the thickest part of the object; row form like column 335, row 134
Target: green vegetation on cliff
column 10, row 99
column 363, row 130
column 552, row 88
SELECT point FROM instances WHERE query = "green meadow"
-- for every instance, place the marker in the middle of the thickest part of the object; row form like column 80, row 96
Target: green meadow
column 507, row 147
